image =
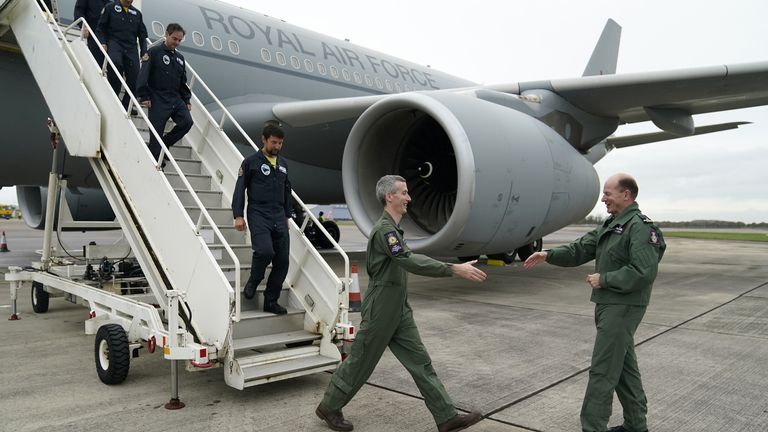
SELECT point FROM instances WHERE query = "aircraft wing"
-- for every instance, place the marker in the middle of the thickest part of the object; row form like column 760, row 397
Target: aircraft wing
column 693, row 91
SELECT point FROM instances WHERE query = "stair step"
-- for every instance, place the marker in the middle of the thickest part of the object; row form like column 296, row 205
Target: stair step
column 208, row 198
column 229, row 271
column 264, row 368
column 259, row 323
column 275, row 339
column 243, row 252
column 199, row 182
column 191, row 166
column 222, row 216
column 231, row 235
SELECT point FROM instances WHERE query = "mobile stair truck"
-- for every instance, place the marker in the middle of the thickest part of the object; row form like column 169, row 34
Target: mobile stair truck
column 178, row 290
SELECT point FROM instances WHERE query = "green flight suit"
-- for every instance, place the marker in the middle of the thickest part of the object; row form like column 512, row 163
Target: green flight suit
column 626, row 249
column 387, row 320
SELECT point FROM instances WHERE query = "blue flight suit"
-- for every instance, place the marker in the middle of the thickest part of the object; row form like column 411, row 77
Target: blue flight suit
column 119, row 29
column 269, row 207
column 91, row 11
column 163, row 81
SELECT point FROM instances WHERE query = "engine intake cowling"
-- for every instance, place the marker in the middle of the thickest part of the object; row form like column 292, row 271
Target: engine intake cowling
column 483, row 178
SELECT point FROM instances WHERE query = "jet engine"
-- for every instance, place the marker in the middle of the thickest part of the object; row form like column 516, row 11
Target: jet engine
column 85, row 204
column 483, row 178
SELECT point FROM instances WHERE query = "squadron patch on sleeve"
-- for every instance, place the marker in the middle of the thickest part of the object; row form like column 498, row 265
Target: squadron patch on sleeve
column 393, row 243
column 653, row 237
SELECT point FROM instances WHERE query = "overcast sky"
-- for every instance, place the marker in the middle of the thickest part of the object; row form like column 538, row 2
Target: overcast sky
column 720, row 176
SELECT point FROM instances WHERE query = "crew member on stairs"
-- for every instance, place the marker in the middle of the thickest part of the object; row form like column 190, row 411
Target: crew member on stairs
column 162, row 87
column 265, row 176
column 119, row 26
column 91, row 11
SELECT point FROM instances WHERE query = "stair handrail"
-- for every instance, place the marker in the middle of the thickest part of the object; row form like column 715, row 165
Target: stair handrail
column 164, row 149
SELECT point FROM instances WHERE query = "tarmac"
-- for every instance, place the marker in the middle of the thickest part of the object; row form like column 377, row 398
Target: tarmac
column 516, row 347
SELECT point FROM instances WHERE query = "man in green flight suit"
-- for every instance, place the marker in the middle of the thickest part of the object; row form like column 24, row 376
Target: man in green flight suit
column 387, row 318
column 627, row 249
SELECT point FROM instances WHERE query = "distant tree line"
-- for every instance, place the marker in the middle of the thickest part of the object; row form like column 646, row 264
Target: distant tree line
column 597, row 220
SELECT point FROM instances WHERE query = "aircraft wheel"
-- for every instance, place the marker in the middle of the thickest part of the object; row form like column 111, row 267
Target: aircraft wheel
column 525, row 251
column 468, row 258
column 507, row 257
column 333, row 230
column 40, row 298
column 112, row 354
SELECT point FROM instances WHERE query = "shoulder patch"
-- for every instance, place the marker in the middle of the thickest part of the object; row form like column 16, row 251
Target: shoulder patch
column 654, row 237
column 393, row 243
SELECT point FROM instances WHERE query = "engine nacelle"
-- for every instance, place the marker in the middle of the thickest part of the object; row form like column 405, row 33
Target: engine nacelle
column 483, row 178
column 85, row 204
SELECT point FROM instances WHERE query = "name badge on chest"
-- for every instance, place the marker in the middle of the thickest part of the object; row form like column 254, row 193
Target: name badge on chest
column 618, row 229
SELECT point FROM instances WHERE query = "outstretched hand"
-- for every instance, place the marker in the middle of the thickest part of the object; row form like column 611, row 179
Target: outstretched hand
column 535, row 259
column 468, row 271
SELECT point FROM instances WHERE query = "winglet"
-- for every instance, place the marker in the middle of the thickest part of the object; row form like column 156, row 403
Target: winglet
column 606, row 52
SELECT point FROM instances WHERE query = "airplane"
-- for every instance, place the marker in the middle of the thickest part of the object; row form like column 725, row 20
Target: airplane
column 491, row 169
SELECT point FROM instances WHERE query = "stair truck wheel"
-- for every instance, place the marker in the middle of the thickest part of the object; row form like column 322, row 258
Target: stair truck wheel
column 40, row 298
column 527, row 250
column 112, row 354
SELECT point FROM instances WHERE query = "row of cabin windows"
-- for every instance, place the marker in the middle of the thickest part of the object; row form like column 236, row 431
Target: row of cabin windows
column 280, row 58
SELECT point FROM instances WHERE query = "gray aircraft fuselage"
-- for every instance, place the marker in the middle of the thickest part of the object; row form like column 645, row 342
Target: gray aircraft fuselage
column 249, row 60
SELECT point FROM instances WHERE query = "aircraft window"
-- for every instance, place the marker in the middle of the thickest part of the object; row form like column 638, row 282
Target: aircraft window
column 158, row 29
column 334, row 72
column 368, row 80
column 234, row 48
column 398, row 88
column 197, row 38
column 321, row 69
column 216, row 42
column 346, row 75
column 358, row 79
column 389, row 85
column 280, row 58
column 308, row 65
column 295, row 62
column 379, row 83
column 266, row 55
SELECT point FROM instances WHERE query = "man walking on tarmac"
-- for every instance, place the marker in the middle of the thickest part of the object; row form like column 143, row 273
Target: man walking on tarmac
column 269, row 207
column 387, row 318
column 627, row 249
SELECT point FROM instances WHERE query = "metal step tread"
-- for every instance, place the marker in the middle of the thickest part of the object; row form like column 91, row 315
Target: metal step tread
column 259, row 314
column 199, row 192
column 190, row 175
column 231, row 267
column 315, row 363
column 275, row 339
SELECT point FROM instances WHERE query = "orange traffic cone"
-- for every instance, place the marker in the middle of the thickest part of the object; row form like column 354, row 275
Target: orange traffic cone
column 3, row 243
column 354, row 291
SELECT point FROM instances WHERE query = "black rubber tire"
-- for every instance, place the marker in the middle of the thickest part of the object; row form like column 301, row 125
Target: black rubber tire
column 112, row 354
column 468, row 258
column 40, row 298
column 333, row 230
column 506, row 257
column 525, row 251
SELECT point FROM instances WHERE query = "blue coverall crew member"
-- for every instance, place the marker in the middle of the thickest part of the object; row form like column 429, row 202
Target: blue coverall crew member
column 627, row 249
column 91, row 11
column 265, row 177
column 162, row 87
column 120, row 25
column 387, row 318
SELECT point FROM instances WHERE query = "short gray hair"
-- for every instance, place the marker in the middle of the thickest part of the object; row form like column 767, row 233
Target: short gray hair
column 386, row 185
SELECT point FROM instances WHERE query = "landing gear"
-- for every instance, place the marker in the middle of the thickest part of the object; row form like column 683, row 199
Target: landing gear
column 40, row 298
column 112, row 354
column 333, row 230
column 527, row 250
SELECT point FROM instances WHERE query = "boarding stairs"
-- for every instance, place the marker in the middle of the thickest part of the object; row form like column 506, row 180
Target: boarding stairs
column 178, row 220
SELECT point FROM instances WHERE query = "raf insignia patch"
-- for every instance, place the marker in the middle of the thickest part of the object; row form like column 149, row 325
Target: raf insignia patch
column 393, row 243
column 118, row 8
column 654, row 238
column 265, row 169
column 166, row 60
